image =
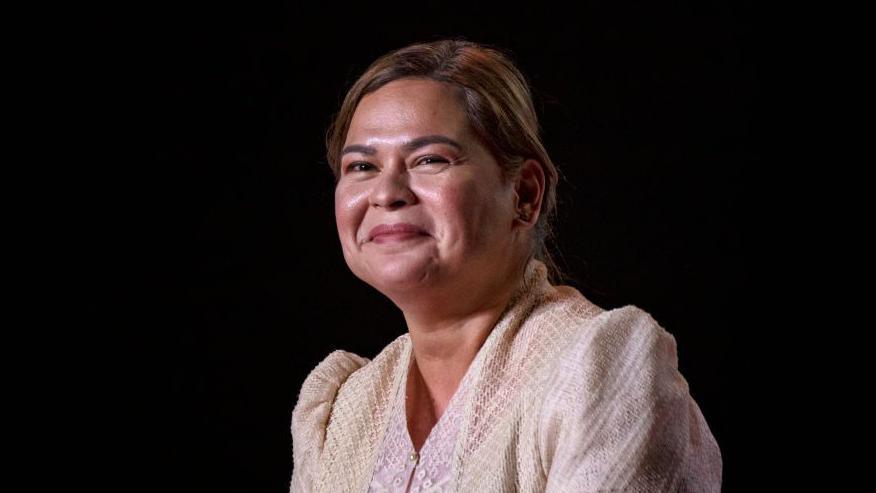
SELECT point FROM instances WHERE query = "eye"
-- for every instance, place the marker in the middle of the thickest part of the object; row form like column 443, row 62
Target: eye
column 432, row 165
column 354, row 166
column 432, row 160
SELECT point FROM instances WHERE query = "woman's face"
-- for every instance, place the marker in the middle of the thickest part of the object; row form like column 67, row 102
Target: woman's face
column 411, row 157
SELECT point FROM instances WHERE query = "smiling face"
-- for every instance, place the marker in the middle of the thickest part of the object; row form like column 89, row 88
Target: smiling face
column 415, row 159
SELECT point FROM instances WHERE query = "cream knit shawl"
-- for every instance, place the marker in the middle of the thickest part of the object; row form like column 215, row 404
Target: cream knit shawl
column 566, row 397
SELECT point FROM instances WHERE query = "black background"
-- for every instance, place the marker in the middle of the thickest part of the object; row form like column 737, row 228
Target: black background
column 218, row 264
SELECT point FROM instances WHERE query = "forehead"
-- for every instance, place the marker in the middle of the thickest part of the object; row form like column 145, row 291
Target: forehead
column 408, row 108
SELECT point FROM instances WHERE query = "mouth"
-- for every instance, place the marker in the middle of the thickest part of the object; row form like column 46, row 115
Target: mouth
column 399, row 237
column 395, row 232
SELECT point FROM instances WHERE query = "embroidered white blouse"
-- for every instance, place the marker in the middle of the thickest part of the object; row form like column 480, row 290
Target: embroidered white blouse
column 563, row 396
column 399, row 468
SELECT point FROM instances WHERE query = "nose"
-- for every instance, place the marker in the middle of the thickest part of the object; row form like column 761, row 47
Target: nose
column 392, row 188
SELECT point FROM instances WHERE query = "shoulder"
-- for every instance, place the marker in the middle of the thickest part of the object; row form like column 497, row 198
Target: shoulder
column 608, row 346
column 617, row 397
column 318, row 392
column 332, row 371
column 340, row 373
column 327, row 377
column 312, row 410
column 326, row 381
column 619, row 354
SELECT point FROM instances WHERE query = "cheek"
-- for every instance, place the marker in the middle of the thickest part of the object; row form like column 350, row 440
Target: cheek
column 466, row 211
column 348, row 205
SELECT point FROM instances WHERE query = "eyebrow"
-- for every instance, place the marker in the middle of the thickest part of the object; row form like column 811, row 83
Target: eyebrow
column 409, row 146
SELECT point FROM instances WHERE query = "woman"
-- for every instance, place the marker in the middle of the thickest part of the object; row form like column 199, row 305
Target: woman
column 504, row 380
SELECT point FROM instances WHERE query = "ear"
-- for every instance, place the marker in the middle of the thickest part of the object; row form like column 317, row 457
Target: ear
column 529, row 191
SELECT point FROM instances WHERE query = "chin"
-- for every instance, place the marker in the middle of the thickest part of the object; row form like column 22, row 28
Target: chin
column 400, row 273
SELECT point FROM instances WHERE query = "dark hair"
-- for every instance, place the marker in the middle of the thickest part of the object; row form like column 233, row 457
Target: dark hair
column 496, row 99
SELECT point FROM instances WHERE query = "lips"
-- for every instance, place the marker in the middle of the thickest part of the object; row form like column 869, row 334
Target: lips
column 395, row 229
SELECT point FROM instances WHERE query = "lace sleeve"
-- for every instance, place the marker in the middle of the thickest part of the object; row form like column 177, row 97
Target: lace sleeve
column 311, row 413
column 623, row 418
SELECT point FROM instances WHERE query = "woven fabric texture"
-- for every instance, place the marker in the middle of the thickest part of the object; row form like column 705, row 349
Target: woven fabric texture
column 564, row 397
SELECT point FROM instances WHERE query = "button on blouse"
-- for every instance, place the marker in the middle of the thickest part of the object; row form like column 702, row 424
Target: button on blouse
column 400, row 469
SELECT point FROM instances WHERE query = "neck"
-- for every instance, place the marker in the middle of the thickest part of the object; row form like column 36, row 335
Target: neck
column 445, row 343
